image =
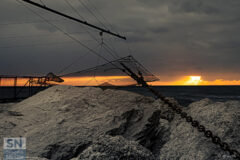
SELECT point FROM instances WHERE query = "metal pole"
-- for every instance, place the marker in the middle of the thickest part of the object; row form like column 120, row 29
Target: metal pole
column 74, row 19
column 15, row 87
column 30, row 86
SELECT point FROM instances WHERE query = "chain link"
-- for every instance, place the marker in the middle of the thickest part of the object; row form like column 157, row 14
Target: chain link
column 195, row 124
column 178, row 110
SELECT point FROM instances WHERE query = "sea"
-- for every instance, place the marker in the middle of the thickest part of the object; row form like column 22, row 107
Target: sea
column 183, row 94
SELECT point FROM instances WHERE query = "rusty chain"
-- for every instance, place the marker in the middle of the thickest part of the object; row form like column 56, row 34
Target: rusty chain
column 177, row 109
column 195, row 124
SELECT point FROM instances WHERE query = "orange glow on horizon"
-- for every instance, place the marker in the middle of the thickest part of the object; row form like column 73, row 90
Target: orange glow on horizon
column 96, row 81
column 196, row 80
column 10, row 81
column 125, row 80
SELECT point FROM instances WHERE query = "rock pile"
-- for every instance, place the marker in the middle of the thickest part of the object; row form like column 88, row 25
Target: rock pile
column 65, row 122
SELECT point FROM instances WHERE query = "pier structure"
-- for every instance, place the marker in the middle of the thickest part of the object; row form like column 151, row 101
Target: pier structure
column 29, row 81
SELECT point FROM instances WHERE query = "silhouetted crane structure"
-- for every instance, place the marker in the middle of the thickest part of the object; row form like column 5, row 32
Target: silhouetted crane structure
column 130, row 67
column 37, row 81
column 49, row 79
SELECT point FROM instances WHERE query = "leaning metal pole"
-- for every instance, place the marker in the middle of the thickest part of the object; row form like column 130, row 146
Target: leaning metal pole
column 74, row 19
column 178, row 110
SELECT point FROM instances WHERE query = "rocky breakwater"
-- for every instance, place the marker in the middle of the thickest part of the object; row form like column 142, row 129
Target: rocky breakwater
column 65, row 122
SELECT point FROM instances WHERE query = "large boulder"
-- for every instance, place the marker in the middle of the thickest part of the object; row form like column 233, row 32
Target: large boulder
column 117, row 147
column 65, row 122
column 62, row 121
column 222, row 118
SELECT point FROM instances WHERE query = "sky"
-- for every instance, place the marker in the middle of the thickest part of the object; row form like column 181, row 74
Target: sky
column 174, row 39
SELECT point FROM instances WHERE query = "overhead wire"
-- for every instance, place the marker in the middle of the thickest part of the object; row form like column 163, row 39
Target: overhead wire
column 77, row 12
column 25, row 36
column 28, row 22
column 41, row 1
column 100, row 43
column 101, row 15
column 108, row 49
column 112, row 27
column 71, row 64
column 94, row 73
column 35, row 35
column 68, row 35
column 101, row 46
column 113, row 49
column 91, row 12
column 34, row 45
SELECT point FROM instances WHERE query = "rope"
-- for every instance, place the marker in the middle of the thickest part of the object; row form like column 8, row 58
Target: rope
column 33, row 45
column 94, row 75
column 75, row 61
column 42, row 2
column 89, row 69
column 91, row 12
column 65, row 33
column 76, row 11
column 101, row 15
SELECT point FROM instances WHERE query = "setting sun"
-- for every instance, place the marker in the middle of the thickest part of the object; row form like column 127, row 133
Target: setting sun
column 193, row 80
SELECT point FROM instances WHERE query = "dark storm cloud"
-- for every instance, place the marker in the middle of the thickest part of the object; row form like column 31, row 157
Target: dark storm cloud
column 158, row 30
column 170, row 37
column 197, row 6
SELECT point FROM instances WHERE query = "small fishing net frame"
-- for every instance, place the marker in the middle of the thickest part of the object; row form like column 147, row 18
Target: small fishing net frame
column 115, row 68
